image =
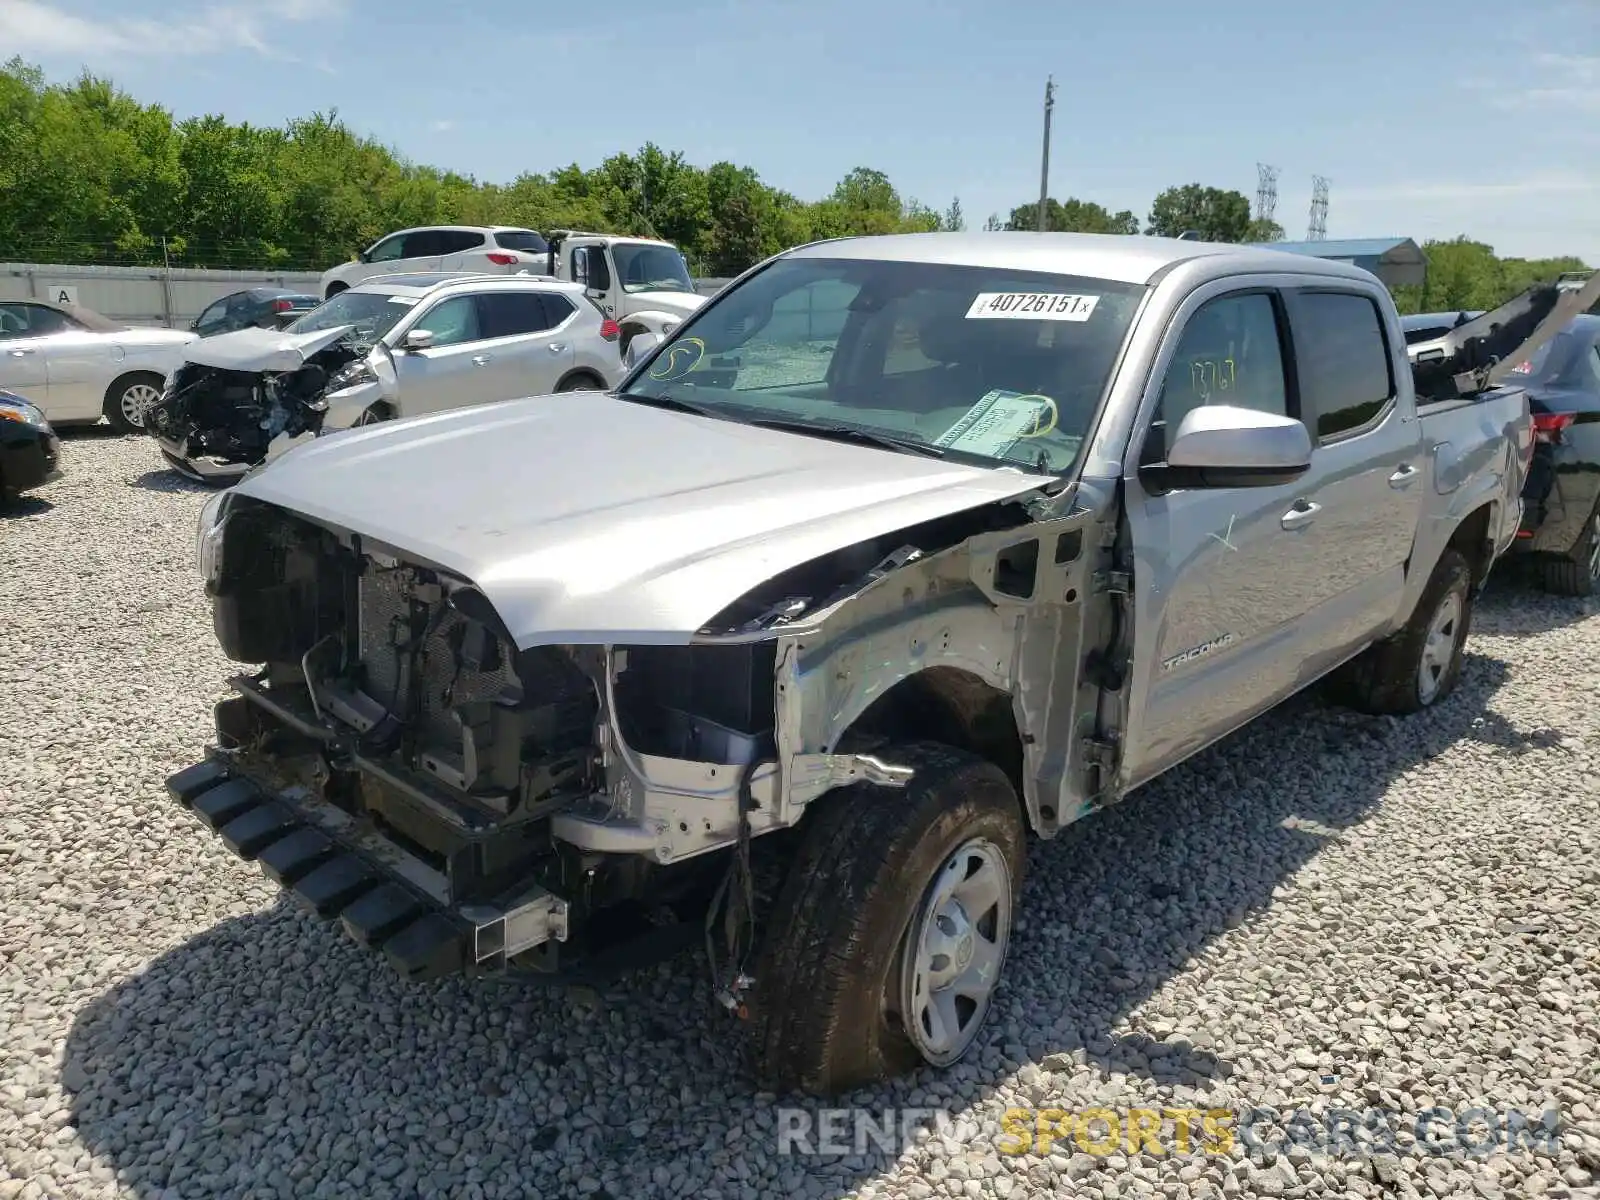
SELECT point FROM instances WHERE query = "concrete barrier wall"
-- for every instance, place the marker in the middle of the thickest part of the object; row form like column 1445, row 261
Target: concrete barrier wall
column 155, row 295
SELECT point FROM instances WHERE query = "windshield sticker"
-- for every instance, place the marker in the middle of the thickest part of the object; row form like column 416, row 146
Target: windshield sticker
column 680, row 358
column 998, row 422
column 406, row 301
column 1032, row 306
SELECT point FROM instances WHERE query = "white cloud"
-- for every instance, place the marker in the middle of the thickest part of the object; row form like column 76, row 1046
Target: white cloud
column 42, row 30
column 444, row 126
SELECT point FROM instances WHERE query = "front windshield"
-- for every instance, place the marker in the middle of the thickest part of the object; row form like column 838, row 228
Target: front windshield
column 372, row 313
column 645, row 268
column 984, row 364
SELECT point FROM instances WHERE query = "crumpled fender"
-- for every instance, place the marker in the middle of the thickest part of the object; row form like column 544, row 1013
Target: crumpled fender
column 345, row 407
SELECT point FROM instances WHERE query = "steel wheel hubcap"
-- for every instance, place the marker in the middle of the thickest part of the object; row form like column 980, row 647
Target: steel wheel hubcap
column 954, row 950
column 136, row 400
column 1440, row 647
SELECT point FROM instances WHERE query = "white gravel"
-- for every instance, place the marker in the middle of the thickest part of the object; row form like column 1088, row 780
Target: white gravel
column 1327, row 910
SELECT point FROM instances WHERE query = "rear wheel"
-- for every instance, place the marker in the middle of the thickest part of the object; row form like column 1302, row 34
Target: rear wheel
column 373, row 414
column 886, row 944
column 128, row 398
column 580, row 382
column 1419, row 666
column 334, row 289
column 1578, row 572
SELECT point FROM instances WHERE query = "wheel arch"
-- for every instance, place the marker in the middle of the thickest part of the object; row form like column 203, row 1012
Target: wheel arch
column 578, row 373
column 955, row 705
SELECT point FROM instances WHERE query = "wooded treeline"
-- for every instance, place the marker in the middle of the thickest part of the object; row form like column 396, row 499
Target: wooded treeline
column 88, row 174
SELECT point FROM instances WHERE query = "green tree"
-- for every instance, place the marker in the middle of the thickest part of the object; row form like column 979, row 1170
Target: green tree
column 1217, row 215
column 1073, row 216
column 1263, row 230
column 954, row 220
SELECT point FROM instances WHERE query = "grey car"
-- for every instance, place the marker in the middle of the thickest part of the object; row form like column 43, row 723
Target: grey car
column 898, row 552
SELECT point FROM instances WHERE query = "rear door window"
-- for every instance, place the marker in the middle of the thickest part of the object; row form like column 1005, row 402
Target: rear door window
column 458, row 241
column 521, row 239
column 1342, row 357
column 425, row 243
column 508, row 314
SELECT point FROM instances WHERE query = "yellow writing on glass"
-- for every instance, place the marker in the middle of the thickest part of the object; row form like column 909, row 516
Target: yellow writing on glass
column 1209, row 376
column 679, row 359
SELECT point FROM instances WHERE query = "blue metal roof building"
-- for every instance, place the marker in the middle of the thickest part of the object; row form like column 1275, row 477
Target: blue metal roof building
column 1399, row 262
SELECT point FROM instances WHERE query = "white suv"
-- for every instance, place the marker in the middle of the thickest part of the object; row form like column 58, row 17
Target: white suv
column 394, row 346
column 484, row 249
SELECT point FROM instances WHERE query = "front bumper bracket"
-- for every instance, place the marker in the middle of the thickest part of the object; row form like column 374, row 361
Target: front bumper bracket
column 336, row 878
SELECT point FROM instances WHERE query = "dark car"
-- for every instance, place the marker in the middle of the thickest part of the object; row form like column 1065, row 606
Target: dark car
column 1561, row 502
column 265, row 307
column 29, row 450
column 1561, row 499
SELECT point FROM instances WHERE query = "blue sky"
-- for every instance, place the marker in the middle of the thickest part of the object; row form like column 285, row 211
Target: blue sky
column 1430, row 118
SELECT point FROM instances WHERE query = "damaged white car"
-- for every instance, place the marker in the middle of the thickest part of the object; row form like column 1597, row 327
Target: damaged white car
column 900, row 550
column 394, row 347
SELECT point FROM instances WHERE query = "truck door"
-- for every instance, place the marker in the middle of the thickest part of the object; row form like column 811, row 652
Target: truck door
column 1361, row 503
column 1222, row 585
column 591, row 266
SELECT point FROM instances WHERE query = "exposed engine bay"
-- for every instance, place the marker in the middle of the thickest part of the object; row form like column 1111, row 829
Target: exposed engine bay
column 393, row 699
column 229, row 418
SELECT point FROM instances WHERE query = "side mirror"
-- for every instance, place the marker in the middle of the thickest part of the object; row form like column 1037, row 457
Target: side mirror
column 1220, row 445
column 417, row 339
column 640, row 345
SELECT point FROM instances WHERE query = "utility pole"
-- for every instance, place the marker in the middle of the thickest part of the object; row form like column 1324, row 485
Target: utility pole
column 1044, row 164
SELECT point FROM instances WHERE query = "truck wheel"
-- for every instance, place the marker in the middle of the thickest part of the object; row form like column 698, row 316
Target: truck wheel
column 888, row 937
column 1419, row 666
column 1578, row 572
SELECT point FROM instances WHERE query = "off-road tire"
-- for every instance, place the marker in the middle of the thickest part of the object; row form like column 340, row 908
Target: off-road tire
column 1574, row 574
column 1385, row 679
column 120, row 386
column 827, row 969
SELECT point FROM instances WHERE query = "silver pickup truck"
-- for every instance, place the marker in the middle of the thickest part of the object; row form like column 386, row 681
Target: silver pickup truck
column 897, row 552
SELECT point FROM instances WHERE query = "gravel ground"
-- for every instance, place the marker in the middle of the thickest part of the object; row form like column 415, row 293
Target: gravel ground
column 1325, row 911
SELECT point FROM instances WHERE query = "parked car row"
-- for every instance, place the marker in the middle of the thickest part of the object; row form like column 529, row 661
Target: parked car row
column 896, row 553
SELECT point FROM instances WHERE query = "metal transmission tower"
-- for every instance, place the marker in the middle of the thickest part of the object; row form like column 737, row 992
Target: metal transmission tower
column 1044, row 163
column 1317, row 231
column 1266, row 191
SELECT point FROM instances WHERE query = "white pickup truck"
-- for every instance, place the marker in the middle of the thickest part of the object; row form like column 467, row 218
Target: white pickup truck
column 897, row 552
column 643, row 284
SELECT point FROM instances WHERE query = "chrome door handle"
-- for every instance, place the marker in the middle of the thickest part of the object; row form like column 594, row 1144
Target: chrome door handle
column 1300, row 515
column 479, row 359
column 1405, row 475
column 557, row 347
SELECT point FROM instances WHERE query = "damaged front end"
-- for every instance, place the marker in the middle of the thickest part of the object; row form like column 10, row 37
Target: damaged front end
column 216, row 421
column 463, row 803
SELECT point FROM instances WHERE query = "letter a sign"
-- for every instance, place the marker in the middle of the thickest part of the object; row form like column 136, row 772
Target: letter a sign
column 60, row 293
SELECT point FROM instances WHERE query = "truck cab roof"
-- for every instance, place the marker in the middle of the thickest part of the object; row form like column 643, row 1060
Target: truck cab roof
column 1119, row 257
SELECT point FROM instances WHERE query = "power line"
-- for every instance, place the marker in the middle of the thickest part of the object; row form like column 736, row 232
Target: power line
column 1317, row 231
